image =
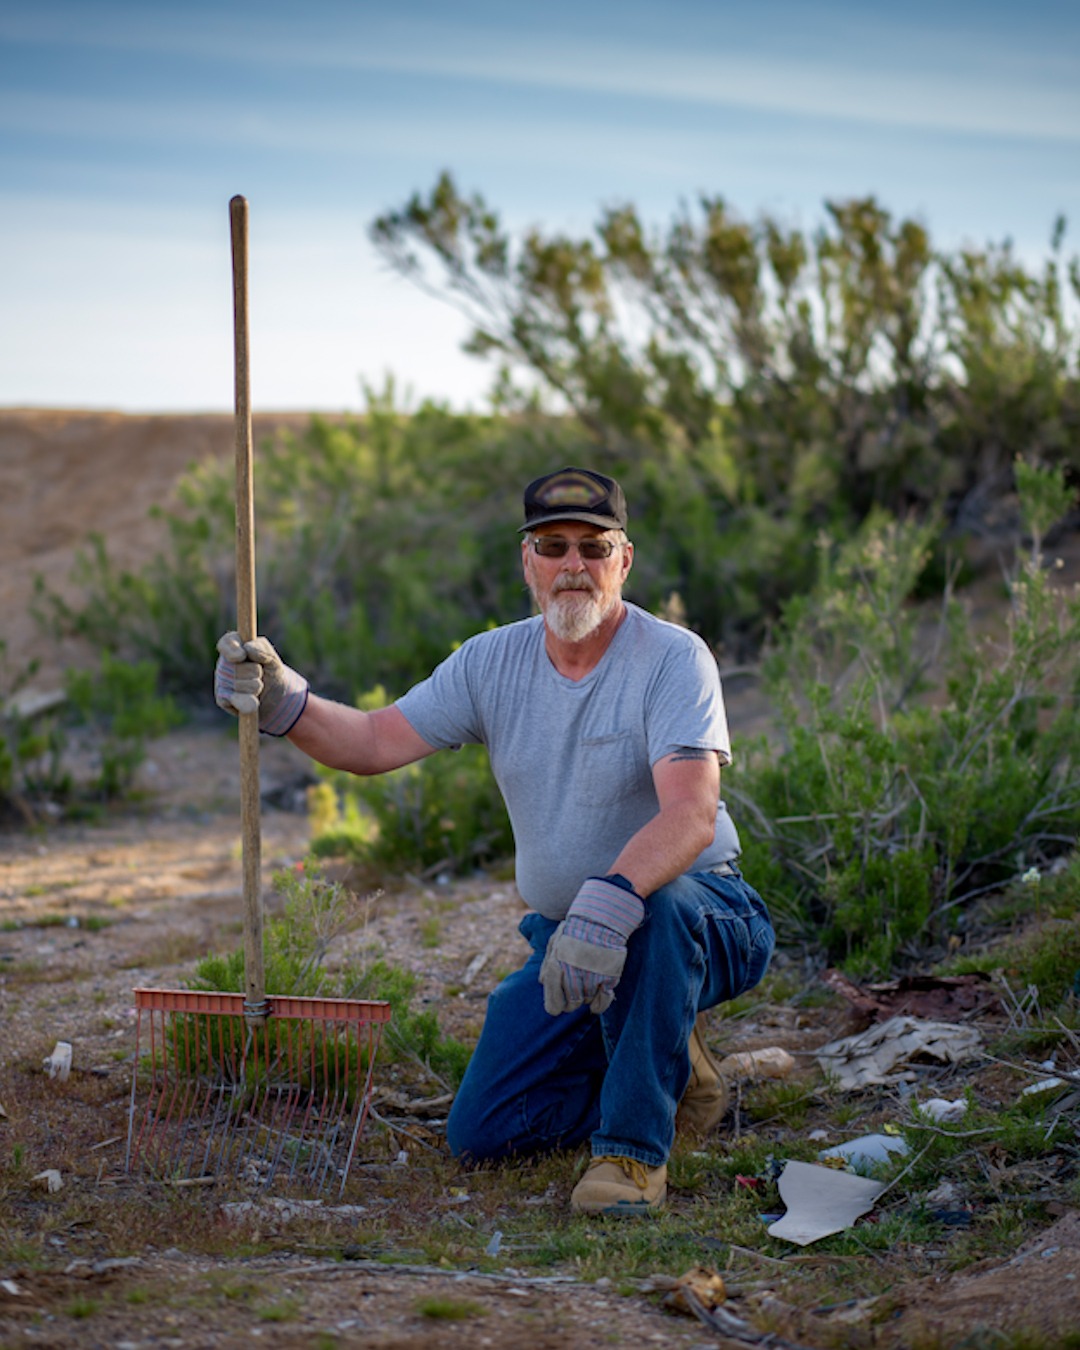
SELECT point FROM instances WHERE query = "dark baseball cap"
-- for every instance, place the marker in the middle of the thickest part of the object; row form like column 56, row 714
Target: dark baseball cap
column 575, row 494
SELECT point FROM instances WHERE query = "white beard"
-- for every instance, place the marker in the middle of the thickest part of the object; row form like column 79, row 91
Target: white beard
column 573, row 615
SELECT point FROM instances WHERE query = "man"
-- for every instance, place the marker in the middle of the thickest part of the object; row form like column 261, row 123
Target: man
column 606, row 731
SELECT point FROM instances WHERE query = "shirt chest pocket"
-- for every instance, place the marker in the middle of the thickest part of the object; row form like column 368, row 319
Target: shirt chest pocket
column 609, row 768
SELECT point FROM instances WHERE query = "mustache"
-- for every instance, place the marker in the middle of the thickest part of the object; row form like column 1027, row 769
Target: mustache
column 572, row 584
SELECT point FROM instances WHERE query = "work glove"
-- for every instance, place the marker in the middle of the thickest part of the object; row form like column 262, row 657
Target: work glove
column 250, row 676
column 586, row 953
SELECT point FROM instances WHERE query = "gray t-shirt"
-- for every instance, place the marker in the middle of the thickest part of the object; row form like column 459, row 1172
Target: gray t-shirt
column 573, row 758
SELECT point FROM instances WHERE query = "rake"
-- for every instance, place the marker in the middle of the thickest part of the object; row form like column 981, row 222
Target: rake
column 245, row 1086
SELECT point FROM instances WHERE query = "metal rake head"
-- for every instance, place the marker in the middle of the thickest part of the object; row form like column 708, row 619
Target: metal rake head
column 259, row 1100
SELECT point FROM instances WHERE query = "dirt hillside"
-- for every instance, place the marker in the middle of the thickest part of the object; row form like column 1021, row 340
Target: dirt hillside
column 66, row 474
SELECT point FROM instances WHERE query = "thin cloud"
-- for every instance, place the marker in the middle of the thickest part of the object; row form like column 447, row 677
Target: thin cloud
column 982, row 90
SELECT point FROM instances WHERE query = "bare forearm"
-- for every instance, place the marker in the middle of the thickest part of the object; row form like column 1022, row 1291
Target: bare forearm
column 663, row 849
column 358, row 742
column 688, row 790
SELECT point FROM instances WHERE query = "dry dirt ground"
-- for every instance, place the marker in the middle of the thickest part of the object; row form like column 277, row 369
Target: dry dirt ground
column 87, row 912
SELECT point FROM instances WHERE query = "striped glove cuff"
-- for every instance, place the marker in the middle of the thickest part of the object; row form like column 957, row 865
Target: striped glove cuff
column 607, row 902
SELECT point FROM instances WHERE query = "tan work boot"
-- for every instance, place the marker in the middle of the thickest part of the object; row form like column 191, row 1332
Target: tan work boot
column 706, row 1097
column 619, row 1186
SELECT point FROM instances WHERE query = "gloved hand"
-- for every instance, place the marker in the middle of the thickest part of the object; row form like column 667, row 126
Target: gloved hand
column 586, row 953
column 250, row 676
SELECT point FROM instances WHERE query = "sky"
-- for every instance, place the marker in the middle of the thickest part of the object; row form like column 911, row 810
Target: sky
column 126, row 127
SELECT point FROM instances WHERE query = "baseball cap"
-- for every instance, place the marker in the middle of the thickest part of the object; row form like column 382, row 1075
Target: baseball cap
column 575, row 494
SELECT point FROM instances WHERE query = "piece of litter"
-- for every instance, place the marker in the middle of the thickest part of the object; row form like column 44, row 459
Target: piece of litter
column 943, row 1196
column 867, row 1151
column 475, row 966
column 492, row 1249
column 402, row 1159
column 58, row 1064
column 817, row 1136
column 1043, row 1085
column 944, row 1112
column 770, row 1062
column 876, row 1055
column 700, row 1288
column 10, row 1287
column 820, row 1201
column 50, row 1179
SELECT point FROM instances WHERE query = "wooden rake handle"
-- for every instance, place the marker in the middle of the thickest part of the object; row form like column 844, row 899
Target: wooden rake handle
column 255, row 1005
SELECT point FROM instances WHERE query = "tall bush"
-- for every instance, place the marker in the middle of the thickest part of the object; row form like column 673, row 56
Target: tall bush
column 917, row 769
column 759, row 383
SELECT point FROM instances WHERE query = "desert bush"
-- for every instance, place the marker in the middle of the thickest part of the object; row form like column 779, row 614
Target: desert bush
column 758, row 383
column 316, row 915
column 31, row 749
column 444, row 813
column 120, row 704
column 119, row 708
column 917, row 770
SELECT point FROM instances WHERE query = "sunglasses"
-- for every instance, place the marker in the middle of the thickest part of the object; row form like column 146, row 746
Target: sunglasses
column 554, row 546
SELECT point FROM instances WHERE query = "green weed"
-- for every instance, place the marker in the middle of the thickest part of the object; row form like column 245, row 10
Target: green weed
column 884, row 813
column 82, row 1308
column 444, row 813
column 449, row 1309
column 281, row 1310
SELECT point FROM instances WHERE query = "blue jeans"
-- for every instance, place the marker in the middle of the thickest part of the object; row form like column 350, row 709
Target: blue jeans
column 539, row 1082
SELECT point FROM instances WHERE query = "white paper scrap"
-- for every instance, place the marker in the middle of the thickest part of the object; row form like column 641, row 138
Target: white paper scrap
column 878, row 1055
column 820, row 1201
column 943, row 1111
column 58, row 1064
column 866, row 1151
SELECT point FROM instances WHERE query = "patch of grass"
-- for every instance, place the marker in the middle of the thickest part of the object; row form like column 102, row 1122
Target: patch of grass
column 281, row 1310
column 228, row 1286
column 782, row 1100
column 449, row 1309
column 35, row 971
column 431, row 931
column 81, row 1308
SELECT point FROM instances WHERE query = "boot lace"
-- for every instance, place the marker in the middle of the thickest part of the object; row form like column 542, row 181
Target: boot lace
column 635, row 1170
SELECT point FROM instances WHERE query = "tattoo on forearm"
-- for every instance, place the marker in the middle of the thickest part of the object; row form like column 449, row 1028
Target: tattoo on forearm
column 688, row 752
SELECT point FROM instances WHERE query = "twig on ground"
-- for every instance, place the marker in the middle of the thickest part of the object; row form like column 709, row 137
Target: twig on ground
column 400, row 1129
column 726, row 1323
column 901, row 1175
column 950, row 1134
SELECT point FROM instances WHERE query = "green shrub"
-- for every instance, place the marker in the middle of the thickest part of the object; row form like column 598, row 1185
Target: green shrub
column 410, row 1035
column 317, row 913
column 121, row 704
column 913, row 775
column 31, row 749
column 444, row 813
